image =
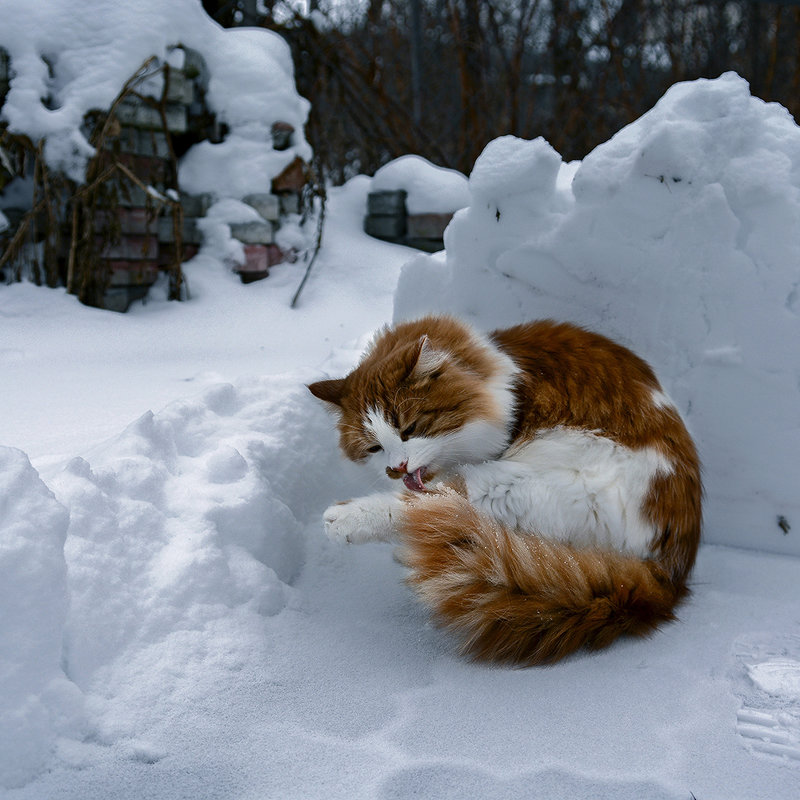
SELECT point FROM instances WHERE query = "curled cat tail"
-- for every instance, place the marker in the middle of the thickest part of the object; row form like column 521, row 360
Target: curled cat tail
column 523, row 599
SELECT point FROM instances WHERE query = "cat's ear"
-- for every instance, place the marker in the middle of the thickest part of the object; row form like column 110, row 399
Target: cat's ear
column 330, row 391
column 429, row 360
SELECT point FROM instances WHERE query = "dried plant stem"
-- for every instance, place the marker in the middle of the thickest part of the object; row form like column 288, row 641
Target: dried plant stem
column 317, row 245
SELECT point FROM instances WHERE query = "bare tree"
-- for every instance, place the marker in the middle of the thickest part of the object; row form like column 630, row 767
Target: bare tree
column 443, row 77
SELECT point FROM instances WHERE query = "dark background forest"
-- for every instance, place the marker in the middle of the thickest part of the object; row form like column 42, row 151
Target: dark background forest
column 441, row 78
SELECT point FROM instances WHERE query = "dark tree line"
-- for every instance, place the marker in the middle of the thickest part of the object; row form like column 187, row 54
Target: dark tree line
column 441, row 78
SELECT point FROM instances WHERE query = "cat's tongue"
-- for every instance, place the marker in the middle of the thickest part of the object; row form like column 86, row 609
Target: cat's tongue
column 413, row 480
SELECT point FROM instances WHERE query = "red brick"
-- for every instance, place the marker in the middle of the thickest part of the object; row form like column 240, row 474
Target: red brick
column 292, row 179
column 148, row 169
column 256, row 258
column 275, row 255
column 256, row 265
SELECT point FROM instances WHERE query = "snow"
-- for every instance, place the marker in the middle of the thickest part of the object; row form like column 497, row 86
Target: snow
column 430, row 189
column 175, row 623
column 679, row 237
column 37, row 697
column 80, row 56
column 215, row 227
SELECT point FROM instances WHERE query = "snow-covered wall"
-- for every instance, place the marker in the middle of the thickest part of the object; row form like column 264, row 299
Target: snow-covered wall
column 680, row 237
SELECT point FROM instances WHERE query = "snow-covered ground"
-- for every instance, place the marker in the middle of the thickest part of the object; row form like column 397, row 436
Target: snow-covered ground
column 174, row 623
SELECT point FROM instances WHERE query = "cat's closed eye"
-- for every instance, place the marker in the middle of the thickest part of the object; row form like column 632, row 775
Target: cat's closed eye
column 376, row 448
column 408, row 432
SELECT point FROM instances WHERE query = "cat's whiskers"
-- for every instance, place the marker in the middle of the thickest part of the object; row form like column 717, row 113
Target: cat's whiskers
column 355, row 428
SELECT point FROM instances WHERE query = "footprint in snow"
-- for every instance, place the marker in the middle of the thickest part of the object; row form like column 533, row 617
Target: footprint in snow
column 768, row 681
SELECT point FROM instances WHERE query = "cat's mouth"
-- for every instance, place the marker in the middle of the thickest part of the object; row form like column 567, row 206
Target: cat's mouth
column 415, row 480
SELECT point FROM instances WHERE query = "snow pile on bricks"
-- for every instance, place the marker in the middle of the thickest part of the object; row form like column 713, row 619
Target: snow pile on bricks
column 412, row 201
column 231, row 109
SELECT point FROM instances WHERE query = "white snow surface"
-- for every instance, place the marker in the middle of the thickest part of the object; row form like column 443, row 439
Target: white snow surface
column 429, row 189
column 81, row 54
column 174, row 623
column 679, row 237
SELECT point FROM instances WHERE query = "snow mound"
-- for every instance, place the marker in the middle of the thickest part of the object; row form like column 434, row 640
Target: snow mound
column 68, row 58
column 168, row 549
column 430, row 189
column 37, row 701
column 680, row 237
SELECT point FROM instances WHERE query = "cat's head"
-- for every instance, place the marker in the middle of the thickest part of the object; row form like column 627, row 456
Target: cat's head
column 427, row 396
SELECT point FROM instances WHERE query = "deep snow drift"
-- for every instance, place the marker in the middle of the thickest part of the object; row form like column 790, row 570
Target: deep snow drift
column 175, row 624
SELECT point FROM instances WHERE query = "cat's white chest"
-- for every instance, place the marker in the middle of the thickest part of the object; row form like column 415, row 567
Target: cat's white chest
column 571, row 485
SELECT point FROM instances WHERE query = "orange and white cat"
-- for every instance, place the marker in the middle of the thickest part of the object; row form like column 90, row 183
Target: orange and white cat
column 552, row 494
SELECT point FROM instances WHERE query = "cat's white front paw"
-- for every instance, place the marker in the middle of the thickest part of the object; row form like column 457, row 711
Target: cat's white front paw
column 362, row 520
column 340, row 523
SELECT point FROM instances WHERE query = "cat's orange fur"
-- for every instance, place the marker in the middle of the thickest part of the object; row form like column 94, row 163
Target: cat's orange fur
column 481, row 526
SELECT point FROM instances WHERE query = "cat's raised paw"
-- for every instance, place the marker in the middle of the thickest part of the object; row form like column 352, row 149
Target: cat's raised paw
column 348, row 523
column 338, row 525
column 361, row 520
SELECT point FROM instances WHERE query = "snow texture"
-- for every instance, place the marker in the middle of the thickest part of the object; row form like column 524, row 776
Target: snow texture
column 37, row 701
column 174, row 623
column 680, row 237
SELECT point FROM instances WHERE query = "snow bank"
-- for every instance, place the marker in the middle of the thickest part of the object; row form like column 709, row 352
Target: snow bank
column 37, row 701
column 430, row 189
column 78, row 56
column 184, row 534
column 681, row 238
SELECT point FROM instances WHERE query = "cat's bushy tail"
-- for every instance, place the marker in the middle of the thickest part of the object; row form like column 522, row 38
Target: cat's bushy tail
column 523, row 599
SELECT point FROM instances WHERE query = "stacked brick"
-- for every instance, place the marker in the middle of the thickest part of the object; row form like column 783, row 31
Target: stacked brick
column 135, row 229
column 145, row 242
column 388, row 219
column 258, row 238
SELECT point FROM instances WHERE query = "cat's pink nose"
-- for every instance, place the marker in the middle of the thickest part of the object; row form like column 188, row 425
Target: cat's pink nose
column 401, row 467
